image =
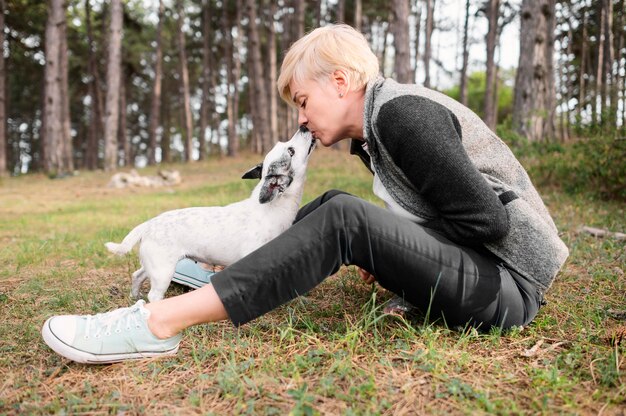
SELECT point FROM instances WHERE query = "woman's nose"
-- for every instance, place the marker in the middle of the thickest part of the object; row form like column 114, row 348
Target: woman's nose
column 302, row 120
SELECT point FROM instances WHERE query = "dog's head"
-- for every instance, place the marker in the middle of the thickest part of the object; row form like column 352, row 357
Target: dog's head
column 283, row 164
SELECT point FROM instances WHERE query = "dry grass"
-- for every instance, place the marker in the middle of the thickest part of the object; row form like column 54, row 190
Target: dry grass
column 331, row 352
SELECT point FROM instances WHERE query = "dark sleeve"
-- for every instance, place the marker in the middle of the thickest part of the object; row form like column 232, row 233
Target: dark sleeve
column 424, row 139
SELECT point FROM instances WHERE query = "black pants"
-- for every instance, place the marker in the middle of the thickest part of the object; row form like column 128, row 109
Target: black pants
column 460, row 284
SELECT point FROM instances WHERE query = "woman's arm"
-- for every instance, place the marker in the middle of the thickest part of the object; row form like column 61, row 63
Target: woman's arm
column 424, row 139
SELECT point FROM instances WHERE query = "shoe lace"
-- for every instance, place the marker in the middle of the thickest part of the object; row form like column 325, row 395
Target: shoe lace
column 105, row 323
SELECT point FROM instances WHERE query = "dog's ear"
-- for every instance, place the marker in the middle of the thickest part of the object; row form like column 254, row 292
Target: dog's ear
column 254, row 173
column 273, row 186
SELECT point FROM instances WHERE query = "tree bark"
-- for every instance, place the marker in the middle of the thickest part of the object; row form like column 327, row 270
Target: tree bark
column 113, row 87
column 53, row 102
column 96, row 127
column 341, row 11
column 184, row 75
column 273, row 74
column 358, row 14
column 122, row 133
column 618, row 77
column 464, row 65
column 430, row 11
column 582, row 99
column 402, row 64
column 607, row 71
column 533, row 114
column 233, row 141
column 3, row 92
column 261, row 124
column 598, row 105
column 66, row 138
column 155, row 106
column 489, row 116
column 418, row 32
column 206, row 77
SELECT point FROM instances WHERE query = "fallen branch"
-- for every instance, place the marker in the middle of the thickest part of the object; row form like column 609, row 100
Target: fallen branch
column 600, row 233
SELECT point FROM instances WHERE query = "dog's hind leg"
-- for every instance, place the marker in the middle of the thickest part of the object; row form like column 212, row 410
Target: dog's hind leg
column 139, row 277
column 160, row 278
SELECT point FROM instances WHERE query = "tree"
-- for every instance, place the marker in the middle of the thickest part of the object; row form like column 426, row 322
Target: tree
column 3, row 94
column 113, row 87
column 273, row 74
column 401, row 41
column 430, row 18
column 54, row 130
column 206, row 76
column 184, row 78
column 95, row 103
column 533, row 108
column 464, row 65
column 155, row 107
column 493, row 8
column 258, row 79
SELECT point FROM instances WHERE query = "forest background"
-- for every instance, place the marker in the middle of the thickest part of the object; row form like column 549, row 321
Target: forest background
column 88, row 84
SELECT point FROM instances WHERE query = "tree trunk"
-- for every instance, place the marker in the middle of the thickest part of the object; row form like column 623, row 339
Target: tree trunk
column 237, row 48
column 418, row 32
column 3, row 92
column 300, row 8
column 598, row 105
column 261, row 125
column 430, row 11
column 184, row 75
column 66, row 137
column 155, row 106
column 122, row 133
column 233, row 142
column 463, row 83
column 607, row 71
column 166, row 154
column 113, row 87
column 400, row 11
column 206, row 77
column 358, row 14
column 618, row 77
column 53, row 102
column 271, row 51
column 489, row 116
column 96, row 127
column 583, row 61
column 533, row 114
column 341, row 11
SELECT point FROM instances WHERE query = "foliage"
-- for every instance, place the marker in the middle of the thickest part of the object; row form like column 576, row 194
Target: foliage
column 476, row 93
column 592, row 164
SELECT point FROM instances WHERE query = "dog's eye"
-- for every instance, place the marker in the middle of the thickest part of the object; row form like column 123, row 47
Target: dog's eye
column 291, row 151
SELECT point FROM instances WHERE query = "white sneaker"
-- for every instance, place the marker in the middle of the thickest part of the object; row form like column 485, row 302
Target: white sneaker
column 119, row 335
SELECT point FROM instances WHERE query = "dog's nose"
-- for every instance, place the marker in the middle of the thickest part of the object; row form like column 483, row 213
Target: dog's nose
column 303, row 129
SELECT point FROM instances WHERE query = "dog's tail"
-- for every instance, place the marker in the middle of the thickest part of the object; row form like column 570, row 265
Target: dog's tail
column 129, row 241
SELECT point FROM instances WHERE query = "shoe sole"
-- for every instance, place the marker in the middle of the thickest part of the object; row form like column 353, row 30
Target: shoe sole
column 188, row 281
column 84, row 357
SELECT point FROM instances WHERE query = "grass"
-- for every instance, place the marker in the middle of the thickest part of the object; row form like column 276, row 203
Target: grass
column 330, row 352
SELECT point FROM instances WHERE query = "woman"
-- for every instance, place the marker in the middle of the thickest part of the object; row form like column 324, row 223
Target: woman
column 464, row 233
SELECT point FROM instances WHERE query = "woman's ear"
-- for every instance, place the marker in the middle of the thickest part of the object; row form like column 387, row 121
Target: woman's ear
column 341, row 82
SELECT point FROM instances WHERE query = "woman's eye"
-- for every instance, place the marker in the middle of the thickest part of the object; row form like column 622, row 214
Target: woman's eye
column 303, row 105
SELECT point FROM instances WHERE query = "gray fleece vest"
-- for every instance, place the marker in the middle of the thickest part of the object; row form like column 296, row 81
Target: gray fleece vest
column 532, row 246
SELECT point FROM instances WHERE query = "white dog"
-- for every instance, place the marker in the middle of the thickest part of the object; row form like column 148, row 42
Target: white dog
column 222, row 235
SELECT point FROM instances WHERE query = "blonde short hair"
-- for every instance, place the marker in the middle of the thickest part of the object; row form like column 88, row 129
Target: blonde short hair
column 323, row 51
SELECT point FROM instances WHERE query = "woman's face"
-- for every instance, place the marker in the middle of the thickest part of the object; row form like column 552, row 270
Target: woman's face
column 321, row 109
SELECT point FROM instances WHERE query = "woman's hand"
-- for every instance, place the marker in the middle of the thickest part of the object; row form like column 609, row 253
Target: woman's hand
column 366, row 276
